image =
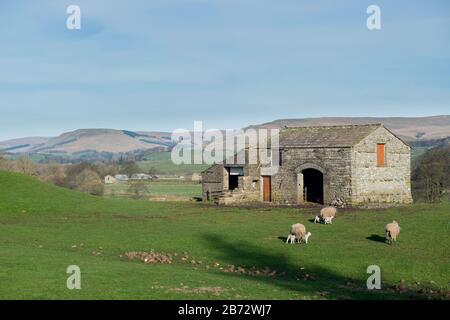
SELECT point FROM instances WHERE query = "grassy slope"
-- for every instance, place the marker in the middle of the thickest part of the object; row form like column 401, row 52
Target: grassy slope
column 39, row 224
column 158, row 187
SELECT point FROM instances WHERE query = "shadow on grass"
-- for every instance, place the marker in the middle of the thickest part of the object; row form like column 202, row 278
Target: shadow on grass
column 311, row 281
column 283, row 239
column 376, row 238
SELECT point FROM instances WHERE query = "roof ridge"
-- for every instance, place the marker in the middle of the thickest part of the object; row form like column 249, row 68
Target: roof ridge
column 338, row 126
column 327, row 136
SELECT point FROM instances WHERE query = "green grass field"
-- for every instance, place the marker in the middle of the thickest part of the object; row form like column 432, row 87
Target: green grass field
column 157, row 188
column 44, row 229
column 162, row 164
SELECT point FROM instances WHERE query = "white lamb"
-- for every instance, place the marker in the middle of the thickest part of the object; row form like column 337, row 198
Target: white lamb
column 290, row 239
column 305, row 238
column 329, row 220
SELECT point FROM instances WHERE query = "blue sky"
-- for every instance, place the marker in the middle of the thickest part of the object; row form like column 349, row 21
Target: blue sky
column 160, row 65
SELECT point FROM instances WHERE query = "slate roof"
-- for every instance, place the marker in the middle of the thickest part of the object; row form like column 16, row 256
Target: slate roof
column 325, row 136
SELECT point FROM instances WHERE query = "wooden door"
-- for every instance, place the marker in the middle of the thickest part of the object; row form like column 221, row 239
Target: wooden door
column 266, row 189
column 300, row 191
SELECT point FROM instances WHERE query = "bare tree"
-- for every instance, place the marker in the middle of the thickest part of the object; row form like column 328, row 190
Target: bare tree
column 54, row 173
column 152, row 171
column 431, row 177
column 2, row 161
column 25, row 165
column 129, row 168
column 88, row 181
column 138, row 189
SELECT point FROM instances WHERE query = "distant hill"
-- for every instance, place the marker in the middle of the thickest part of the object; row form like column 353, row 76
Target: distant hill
column 410, row 129
column 105, row 144
column 21, row 144
column 97, row 140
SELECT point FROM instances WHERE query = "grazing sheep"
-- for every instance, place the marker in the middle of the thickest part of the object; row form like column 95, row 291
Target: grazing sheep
column 317, row 219
column 392, row 231
column 327, row 212
column 299, row 231
column 290, row 239
column 329, row 220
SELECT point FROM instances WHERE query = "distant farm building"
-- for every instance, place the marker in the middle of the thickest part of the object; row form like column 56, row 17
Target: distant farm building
column 110, row 179
column 141, row 176
column 348, row 165
column 121, row 177
column 195, row 177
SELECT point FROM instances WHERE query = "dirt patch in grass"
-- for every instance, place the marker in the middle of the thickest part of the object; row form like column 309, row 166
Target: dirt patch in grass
column 161, row 257
column 229, row 268
column 150, row 257
column 416, row 290
column 428, row 291
column 250, row 271
column 169, row 197
column 198, row 290
column 128, row 217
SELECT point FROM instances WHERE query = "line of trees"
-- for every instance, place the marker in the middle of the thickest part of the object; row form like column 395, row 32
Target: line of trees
column 431, row 176
column 93, row 156
column 84, row 176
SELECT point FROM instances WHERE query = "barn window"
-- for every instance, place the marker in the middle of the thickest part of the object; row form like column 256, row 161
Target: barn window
column 236, row 171
column 381, row 155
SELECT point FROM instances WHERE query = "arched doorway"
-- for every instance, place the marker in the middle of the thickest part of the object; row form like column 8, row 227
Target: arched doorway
column 312, row 185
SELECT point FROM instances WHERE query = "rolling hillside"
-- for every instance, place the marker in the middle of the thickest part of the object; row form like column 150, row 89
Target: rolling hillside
column 410, row 129
column 424, row 132
column 98, row 140
column 24, row 194
column 22, row 144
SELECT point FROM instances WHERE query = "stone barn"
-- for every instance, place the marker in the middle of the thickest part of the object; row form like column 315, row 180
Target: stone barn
column 110, row 179
column 347, row 165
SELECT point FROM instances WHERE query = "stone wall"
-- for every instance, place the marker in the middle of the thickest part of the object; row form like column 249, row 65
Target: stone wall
column 390, row 183
column 334, row 163
column 250, row 184
column 214, row 182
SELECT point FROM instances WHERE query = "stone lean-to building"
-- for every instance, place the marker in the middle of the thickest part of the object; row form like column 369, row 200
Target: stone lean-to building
column 347, row 165
column 110, row 179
